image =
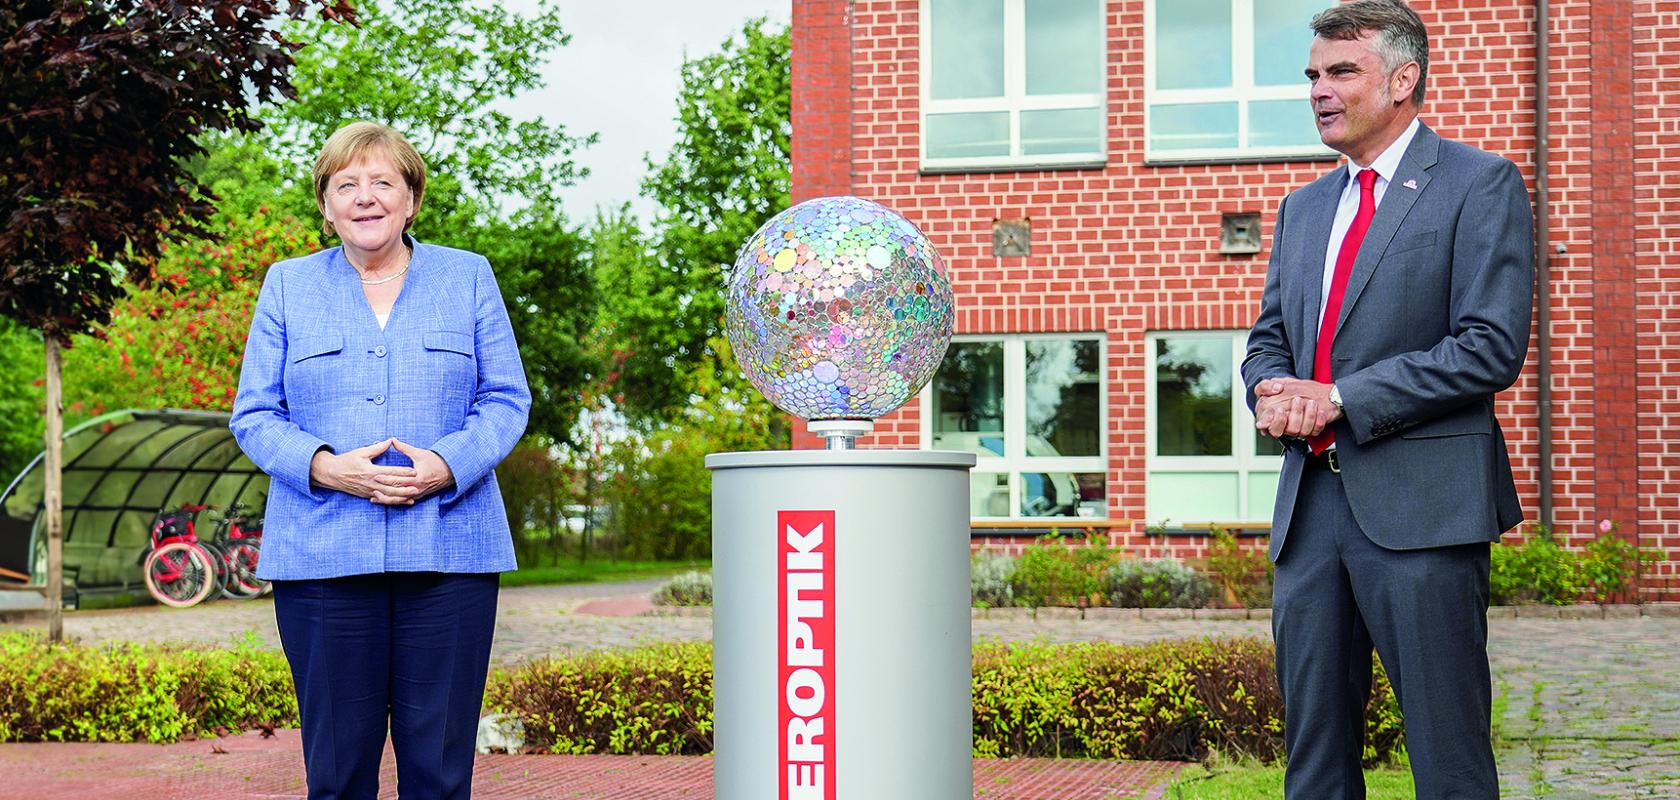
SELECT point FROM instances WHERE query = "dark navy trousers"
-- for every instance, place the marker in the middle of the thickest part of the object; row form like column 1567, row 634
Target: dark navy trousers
column 1337, row 594
column 399, row 652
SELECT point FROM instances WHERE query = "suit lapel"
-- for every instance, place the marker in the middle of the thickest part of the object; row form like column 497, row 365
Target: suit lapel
column 1410, row 180
column 1319, row 216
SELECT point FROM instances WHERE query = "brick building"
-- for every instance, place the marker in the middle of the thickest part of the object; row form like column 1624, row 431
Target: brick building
column 1135, row 151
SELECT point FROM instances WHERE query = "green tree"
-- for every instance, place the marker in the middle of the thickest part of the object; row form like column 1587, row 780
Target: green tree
column 21, row 424
column 103, row 104
column 726, row 175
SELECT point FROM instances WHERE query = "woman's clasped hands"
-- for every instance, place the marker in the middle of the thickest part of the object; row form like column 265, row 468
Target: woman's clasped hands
column 353, row 472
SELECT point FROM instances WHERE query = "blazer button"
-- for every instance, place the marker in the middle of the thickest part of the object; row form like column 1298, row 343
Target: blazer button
column 379, row 399
column 379, row 351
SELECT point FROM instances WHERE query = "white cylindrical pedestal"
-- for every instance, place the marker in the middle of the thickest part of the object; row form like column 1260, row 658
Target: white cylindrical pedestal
column 840, row 614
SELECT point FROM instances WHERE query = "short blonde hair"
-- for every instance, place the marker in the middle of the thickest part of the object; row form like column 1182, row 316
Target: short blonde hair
column 351, row 142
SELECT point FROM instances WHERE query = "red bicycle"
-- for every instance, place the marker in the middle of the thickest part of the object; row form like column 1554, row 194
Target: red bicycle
column 238, row 539
column 180, row 570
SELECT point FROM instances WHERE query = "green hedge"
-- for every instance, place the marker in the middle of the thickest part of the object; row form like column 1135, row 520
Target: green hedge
column 1168, row 700
column 653, row 699
column 137, row 693
column 1181, row 700
column 1173, row 700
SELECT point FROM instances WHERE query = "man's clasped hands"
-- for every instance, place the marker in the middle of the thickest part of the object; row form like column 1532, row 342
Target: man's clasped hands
column 1293, row 407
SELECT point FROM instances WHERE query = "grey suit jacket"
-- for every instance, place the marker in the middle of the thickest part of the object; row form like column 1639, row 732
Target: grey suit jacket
column 1435, row 321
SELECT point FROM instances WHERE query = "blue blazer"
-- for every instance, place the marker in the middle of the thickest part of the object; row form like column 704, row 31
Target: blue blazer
column 444, row 374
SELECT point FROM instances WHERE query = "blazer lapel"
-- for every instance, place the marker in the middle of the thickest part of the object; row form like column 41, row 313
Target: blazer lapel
column 1410, row 179
column 1319, row 216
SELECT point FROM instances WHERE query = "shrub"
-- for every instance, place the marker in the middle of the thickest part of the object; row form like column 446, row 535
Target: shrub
column 1051, row 573
column 133, row 693
column 1157, row 583
column 691, row 588
column 990, row 577
column 1244, row 576
column 655, row 699
column 1182, row 700
column 1536, row 571
column 1608, row 564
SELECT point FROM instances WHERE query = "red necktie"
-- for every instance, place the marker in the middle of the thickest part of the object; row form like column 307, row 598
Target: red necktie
column 1338, row 289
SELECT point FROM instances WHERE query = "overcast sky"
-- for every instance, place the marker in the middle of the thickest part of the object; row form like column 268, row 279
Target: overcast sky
column 619, row 78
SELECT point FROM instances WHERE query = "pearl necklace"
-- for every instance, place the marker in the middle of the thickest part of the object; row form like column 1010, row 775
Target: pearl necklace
column 387, row 278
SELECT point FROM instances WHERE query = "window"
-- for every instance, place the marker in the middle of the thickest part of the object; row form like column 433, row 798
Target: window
column 1031, row 408
column 1016, row 83
column 1206, row 461
column 1224, row 78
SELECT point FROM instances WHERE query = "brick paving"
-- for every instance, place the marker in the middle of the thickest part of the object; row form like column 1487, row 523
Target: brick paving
column 1589, row 698
column 249, row 767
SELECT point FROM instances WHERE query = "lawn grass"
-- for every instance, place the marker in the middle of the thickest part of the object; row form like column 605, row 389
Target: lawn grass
column 597, row 570
column 1255, row 782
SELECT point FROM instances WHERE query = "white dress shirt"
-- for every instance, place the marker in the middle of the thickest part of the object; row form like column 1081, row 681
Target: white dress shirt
column 1348, row 208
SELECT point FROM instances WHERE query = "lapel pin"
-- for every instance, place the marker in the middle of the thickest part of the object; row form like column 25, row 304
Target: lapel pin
column 1411, row 184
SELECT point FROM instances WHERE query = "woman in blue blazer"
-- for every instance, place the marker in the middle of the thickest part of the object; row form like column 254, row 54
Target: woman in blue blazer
column 381, row 386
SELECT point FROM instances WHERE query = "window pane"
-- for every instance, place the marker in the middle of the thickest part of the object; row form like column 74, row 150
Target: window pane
column 1262, row 496
column 1193, row 44
column 1192, row 497
column 968, row 135
column 968, row 400
column 1064, row 382
column 1193, row 127
column 1266, row 446
column 1281, row 123
column 1193, row 397
column 988, row 494
column 1063, row 494
column 1064, row 46
column 1073, row 130
column 967, row 44
column 1281, row 40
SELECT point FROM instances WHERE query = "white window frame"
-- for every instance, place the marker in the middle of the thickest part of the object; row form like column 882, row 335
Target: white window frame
column 1015, row 461
column 1242, row 91
column 1243, row 459
column 1015, row 98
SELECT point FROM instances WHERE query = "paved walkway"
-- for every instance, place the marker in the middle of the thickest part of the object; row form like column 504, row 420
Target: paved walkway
column 1590, row 708
column 249, row 767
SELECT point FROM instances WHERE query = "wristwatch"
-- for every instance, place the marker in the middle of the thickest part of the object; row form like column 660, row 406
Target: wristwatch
column 1336, row 397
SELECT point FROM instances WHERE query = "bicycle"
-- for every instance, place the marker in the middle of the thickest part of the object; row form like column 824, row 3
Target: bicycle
column 180, row 571
column 239, row 538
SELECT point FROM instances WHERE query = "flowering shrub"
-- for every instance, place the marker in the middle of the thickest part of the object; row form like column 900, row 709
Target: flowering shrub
column 177, row 339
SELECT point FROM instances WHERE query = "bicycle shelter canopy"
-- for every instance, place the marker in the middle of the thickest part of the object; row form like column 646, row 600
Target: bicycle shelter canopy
column 120, row 469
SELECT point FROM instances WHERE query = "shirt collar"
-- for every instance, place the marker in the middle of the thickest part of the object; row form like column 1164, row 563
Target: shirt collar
column 1389, row 162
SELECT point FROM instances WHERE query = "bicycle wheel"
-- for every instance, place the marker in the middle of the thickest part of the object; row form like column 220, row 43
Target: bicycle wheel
column 243, row 583
column 180, row 574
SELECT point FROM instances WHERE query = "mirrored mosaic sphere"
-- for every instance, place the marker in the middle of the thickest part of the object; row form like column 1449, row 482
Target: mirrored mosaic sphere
column 838, row 308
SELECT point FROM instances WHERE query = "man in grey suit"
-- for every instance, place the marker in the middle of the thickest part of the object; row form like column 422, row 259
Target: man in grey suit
column 1396, row 304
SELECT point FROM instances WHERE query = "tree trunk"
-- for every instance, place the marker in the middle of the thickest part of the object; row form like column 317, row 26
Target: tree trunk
column 55, row 493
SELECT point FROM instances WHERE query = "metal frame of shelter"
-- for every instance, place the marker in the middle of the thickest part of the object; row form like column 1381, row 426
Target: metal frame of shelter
column 120, row 469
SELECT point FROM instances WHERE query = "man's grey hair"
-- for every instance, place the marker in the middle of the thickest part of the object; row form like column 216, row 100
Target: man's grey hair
column 1400, row 35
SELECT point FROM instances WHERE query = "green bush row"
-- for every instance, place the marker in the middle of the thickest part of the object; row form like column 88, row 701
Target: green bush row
column 138, row 693
column 1169, row 700
column 1054, row 572
column 1539, row 570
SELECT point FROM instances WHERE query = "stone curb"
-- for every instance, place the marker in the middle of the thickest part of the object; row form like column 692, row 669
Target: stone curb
column 1587, row 611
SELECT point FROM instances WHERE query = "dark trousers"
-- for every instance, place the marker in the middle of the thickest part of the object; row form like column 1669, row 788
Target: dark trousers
column 1336, row 595
column 406, row 653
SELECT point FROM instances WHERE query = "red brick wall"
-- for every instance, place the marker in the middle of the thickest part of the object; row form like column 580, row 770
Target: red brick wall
column 1131, row 248
column 1655, row 351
